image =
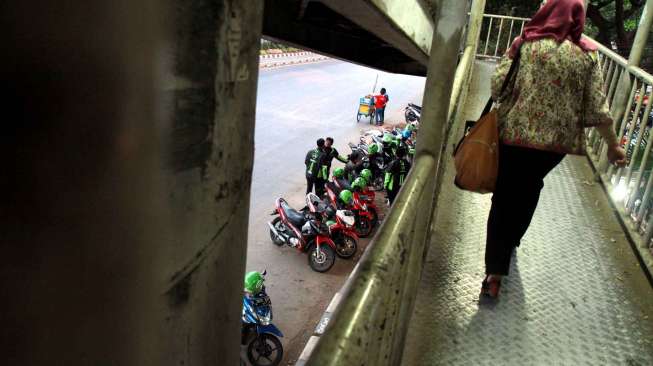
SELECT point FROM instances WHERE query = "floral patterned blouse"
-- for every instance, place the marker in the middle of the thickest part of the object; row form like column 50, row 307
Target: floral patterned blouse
column 557, row 93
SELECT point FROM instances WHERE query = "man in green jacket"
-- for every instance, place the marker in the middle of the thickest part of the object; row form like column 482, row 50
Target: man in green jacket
column 396, row 173
column 316, row 169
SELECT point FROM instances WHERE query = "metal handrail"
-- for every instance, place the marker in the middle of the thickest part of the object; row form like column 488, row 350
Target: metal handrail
column 370, row 324
column 504, row 17
column 371, row 321
column 496, row 42
column 626, row 87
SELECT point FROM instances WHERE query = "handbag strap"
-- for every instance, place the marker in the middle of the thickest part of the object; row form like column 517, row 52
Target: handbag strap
column 509, row 77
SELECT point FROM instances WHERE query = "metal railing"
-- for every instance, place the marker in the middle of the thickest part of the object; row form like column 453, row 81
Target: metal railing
column 497, row 34
column 628, row 90
column 371, row 321
column 370, row 324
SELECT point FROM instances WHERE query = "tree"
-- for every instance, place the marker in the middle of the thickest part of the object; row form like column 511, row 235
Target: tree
column 614, row 21
column 608, row 21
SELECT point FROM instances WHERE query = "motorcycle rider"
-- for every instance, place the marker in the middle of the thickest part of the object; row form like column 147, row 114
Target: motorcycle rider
column 388, row 148
column 254, row 282
column 339, row 181
column 405, row 139
column 359, row 184
column 345, row 199
column 367, row 175
column 354, row 166
column 316, row 170
column 396, row 174
column 373, row 156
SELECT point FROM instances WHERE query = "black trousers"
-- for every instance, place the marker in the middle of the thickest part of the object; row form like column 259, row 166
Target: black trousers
column 520, row 180
column 317, row 183
column 392, row 194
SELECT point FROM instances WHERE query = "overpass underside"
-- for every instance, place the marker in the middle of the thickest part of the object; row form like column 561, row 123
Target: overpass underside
column 576, row 293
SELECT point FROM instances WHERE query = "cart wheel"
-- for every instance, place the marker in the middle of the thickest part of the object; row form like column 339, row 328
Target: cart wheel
column 358, row 117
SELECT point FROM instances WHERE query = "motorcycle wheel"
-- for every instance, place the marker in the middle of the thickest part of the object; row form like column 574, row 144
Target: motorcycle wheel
column 321, row 263
column 279, row 226
column 265, row 350
column 346, row 246
column 363, row 227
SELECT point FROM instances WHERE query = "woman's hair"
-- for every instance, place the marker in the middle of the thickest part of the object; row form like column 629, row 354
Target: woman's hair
column 558, row 19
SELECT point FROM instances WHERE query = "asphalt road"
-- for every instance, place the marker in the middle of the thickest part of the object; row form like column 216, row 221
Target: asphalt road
column 296, row 105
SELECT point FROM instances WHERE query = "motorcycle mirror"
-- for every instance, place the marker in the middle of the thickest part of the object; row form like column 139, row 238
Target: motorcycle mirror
column 265, row 271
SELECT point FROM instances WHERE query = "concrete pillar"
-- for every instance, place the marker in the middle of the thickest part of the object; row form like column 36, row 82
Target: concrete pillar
column 126, row 185
column 208, row 164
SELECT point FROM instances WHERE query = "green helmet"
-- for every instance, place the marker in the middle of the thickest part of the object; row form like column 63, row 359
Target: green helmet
column 359, row 182
column 254, row 282
column 339, row 172
column 387, row 138
column 346, row 196
column 410, row 127
column 366, row 174
column 373, row 149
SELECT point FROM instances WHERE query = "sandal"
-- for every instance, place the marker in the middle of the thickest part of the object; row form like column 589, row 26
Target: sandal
column 490, row 287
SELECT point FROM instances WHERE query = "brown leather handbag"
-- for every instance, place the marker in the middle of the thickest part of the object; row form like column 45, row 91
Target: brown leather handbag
column 476, row 156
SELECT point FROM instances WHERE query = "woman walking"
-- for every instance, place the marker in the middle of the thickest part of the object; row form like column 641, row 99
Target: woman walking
column 556, row 93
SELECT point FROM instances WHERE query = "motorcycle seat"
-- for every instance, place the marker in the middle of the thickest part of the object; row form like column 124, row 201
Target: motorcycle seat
column 295, row 217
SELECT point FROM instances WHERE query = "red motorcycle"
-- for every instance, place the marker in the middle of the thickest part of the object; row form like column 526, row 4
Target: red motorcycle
column 366, row 199
column 364, row 217
column 304, row 232
column 341, row 225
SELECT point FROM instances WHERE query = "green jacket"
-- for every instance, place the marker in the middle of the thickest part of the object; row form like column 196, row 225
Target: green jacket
column 395, row 174
column 315, row 164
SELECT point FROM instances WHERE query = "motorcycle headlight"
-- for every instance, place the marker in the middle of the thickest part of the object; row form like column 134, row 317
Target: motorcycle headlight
column 264, row 319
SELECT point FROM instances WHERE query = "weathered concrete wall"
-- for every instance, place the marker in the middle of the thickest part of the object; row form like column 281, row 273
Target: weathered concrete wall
column 215, row 52
column 125, row 184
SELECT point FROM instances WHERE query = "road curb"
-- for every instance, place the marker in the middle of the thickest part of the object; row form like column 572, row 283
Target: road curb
column 284, row 61
column 323, row 324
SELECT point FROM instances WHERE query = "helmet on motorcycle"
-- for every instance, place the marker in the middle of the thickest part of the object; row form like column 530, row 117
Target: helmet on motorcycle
column 411, row 127
column 254, row 282
column 406, row 134
column 366, row 174
column 359, row 183
column 346, row 196
column 339, row 172
column 372, row 149
column 387, row 138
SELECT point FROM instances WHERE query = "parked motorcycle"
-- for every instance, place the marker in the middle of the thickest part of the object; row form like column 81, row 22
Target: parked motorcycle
column 376, row 164
column 305, row 233
column 258, row 333
column 366, row 200
column 341, row 225
column 412, row 113
column 363, row 222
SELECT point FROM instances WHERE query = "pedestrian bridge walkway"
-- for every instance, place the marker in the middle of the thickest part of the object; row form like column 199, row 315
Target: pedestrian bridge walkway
column 576, row 294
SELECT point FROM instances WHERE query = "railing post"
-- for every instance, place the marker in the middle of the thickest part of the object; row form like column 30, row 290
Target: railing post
column 641, row 36
column 621, row 101
column 475, row 23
